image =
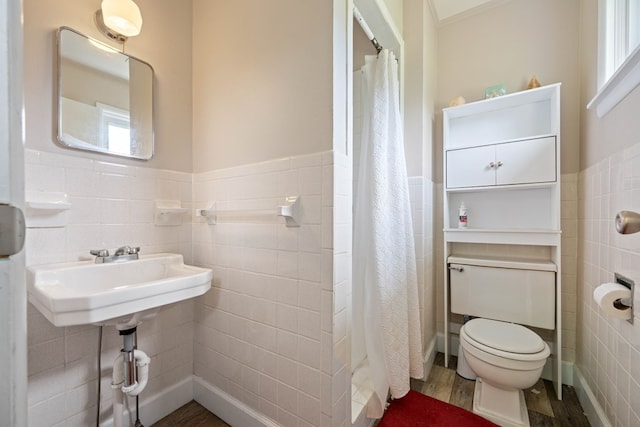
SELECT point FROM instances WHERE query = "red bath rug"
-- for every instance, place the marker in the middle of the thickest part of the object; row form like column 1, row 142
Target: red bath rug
column 417, row 410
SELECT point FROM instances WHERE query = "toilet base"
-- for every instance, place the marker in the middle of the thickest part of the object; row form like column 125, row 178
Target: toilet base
column 507, row 408
column 463, row 368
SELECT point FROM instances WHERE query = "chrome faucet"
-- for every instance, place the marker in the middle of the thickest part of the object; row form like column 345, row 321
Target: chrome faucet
column 126, row 250
column 123, row 253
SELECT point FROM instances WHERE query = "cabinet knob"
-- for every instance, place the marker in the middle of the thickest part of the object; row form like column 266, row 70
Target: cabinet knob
column 492, row 165
column 499, row 164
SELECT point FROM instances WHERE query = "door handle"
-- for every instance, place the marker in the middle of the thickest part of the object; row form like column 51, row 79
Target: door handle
column 627, row 222
column 12, row 230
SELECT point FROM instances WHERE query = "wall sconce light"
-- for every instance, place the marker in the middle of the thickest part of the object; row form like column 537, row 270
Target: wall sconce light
column 119, row 19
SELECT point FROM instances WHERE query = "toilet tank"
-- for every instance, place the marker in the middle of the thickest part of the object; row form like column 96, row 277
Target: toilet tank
column 518, row 291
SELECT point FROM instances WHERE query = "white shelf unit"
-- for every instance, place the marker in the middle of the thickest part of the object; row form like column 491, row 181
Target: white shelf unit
column 501, row 158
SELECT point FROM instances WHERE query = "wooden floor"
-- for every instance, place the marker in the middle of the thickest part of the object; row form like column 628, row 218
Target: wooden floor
column 443, row 384
column 191, row 415
column 543, row 407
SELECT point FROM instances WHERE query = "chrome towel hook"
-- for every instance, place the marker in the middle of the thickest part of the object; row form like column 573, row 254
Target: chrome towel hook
column 627, row 222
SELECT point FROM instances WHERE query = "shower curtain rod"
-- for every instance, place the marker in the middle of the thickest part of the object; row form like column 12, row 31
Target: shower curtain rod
column 366, row 29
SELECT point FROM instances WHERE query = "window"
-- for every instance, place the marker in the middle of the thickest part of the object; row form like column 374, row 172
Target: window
column 118, row 138
column 619, row 34
column 618, row 52
column 116, row 129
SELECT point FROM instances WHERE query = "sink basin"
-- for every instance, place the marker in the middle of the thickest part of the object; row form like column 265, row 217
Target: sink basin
column 83, row 292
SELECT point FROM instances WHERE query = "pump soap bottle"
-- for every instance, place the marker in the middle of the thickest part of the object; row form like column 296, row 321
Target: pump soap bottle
column 462, row 216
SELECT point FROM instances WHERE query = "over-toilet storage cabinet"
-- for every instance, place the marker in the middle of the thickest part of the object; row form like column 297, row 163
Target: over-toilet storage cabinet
column 502, row 159
column 518, row 162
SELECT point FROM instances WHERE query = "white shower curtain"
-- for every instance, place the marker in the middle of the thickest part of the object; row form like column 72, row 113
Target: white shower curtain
column 384, row 249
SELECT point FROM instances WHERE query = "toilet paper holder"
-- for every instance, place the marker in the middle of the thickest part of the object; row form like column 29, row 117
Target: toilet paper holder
column 623, row 303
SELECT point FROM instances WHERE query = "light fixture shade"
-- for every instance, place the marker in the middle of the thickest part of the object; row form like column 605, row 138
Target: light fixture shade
column 122, row 16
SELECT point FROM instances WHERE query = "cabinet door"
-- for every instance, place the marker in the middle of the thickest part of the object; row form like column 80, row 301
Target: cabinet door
column 529, row 161
column 471, row 167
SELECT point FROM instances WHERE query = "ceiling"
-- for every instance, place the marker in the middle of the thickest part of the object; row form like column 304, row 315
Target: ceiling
column 451, row 10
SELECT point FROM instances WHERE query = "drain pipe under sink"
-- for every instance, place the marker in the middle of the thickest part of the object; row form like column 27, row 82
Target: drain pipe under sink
column 130, row 375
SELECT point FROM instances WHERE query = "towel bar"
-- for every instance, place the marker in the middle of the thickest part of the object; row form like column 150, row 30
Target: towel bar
column 290, row 211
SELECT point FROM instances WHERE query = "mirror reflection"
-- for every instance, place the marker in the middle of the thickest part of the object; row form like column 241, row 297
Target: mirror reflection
column 105, row 98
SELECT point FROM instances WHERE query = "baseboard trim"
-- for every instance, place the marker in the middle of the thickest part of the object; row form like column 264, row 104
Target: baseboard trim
column 158, row 406
column 235, row 412
column 568, row 373
column 227, row 407
column 429, row 356
column 592, row 409
column 454, row 343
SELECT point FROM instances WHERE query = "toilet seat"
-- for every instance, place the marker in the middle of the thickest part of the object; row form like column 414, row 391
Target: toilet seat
column 504, row 336
column 504, row 340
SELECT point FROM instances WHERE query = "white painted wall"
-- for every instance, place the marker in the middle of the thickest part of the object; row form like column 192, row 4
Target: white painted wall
column 420, row 77
column 421, row 52
column 395, row 8
column 262, row 78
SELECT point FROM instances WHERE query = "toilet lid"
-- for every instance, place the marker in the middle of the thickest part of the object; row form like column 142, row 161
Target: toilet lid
column 504, row 336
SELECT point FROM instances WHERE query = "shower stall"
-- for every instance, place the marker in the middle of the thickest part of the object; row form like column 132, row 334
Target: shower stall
column 386, row 339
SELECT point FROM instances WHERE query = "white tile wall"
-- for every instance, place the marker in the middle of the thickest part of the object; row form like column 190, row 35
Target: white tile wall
column 438, row 242
column 569, row 260
column 422, row 208
column 112, row 205
column 272, row 330
column 608, row 350
column 342, row 272
column 430, row 250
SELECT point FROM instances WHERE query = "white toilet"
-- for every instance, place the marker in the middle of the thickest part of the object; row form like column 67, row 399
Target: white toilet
column 506, row 357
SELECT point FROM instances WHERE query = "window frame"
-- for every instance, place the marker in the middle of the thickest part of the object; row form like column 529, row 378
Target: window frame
column 613, row 44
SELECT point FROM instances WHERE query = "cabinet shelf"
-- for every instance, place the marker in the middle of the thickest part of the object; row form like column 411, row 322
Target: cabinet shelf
column 468, row 144
column 501, row 262
column 530, row 186
column 516, row 116
column 507, row 236
column 512, row 100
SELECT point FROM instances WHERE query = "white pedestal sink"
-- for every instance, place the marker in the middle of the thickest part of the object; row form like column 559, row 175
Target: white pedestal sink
column 83, row 292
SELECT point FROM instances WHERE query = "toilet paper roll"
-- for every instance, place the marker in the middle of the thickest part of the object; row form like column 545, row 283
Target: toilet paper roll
column 608, row 296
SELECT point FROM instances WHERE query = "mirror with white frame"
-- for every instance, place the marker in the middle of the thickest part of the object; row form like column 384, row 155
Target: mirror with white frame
column 105, row 98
